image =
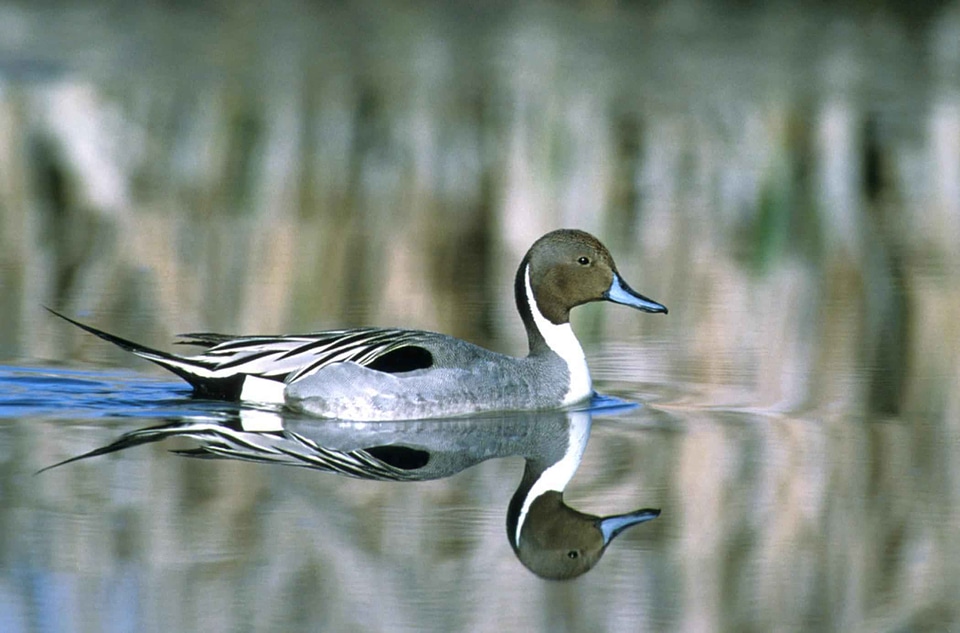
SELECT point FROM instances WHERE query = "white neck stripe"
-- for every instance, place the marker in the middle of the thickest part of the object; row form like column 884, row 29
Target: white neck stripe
column 562, row 340
column 559, row 474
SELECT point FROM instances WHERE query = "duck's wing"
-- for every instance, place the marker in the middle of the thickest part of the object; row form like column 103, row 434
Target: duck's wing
column 288, row 357
column 256, row 367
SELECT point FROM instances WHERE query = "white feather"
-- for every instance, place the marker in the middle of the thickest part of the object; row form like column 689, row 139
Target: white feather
column 562, row 340
column 256, row 389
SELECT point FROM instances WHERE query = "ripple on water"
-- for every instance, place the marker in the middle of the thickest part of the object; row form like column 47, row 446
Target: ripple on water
column 58, row 392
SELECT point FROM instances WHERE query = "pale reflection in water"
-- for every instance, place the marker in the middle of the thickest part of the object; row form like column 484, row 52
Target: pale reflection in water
column 552, row 539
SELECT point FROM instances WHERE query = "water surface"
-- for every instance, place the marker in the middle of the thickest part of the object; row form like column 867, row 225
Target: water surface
column 754, row 504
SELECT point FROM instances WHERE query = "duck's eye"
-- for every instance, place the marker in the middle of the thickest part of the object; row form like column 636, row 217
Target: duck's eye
column 583, row 261
column 573, row 553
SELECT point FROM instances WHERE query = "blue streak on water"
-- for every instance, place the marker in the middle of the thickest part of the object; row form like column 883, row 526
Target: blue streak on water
column 62, row 393
column 602, row 404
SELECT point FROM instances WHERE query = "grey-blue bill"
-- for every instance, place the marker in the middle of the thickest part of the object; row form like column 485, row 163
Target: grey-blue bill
column 620, row 292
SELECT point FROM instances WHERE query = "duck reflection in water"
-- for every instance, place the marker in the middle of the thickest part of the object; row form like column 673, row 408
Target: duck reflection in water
column 549, row 537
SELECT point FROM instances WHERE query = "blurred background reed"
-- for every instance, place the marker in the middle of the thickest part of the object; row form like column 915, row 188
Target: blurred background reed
column 784, row 176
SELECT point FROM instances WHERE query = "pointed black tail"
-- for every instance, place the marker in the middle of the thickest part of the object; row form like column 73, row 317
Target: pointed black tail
column 184, row 368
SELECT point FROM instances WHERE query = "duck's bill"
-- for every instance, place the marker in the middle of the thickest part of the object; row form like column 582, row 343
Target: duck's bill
column 620, row 292
column 611, row 526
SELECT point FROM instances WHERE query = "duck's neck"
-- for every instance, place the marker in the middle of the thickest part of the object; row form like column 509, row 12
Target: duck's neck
column 548, row 337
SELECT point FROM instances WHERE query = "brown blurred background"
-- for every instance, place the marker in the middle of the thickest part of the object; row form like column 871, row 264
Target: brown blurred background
column 784, row 176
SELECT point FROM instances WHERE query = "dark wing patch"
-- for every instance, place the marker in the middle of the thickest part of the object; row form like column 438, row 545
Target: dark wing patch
column 403, row 359
column 401, row 457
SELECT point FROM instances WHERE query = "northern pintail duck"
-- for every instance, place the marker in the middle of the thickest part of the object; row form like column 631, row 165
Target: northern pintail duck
column 549, row 537
column 396, row 374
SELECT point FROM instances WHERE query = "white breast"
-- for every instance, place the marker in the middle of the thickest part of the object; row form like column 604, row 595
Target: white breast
column 562, row 340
